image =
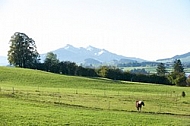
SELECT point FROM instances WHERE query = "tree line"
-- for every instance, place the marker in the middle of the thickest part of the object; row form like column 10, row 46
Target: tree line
column 23, row 53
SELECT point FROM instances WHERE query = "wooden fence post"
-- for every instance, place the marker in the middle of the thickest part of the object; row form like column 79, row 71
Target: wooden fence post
column 38, row 88
column 109, row 105
column 13, row 91
column 27, row 94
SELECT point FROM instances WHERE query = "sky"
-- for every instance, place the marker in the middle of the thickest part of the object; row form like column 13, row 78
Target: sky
column 147, row 29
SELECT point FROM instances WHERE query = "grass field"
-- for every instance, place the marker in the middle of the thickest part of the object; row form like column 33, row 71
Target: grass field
column 32, row 97
column 152, row 69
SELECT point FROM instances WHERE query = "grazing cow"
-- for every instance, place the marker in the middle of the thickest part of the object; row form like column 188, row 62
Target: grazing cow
column 139, row 105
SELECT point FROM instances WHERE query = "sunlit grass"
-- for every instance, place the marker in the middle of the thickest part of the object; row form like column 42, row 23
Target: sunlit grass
column 31, row 97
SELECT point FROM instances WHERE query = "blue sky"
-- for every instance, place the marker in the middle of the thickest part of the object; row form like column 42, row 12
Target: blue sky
column 148, row 29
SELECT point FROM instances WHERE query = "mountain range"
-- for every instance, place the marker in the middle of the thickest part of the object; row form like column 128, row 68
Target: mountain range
column 90, row 55
column 185, row 58
column 95, row 56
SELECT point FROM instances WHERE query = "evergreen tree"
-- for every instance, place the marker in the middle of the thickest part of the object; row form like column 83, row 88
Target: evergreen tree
column 161, row 69
column 178, row 67
column 178, row 77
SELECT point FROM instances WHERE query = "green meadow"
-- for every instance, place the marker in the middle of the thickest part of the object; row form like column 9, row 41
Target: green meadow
column 152, row 69
column 36, row 98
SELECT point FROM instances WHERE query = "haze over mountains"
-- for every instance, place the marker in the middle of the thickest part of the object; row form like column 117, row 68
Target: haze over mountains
column 96, row 56
column 90, row 55
column 185, row 58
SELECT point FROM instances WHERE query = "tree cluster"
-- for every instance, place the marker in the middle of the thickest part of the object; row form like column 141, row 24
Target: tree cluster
column 23, row 53
column 118, row 74
column 52, row 64
column 177, row 76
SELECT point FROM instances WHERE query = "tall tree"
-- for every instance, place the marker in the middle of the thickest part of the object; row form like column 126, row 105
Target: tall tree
column 51, row 62
column 178, row 77
column 161, row 69
column 103, row 70
column 23, row 51
column 178, row 67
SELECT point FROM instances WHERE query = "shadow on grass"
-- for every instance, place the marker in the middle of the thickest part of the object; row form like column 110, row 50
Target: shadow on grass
column 61, row 104
column 94, row 108
column 158, row 113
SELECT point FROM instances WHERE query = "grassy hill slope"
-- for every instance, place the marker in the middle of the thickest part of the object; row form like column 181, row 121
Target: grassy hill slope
column 34, row 78
column 32, row 97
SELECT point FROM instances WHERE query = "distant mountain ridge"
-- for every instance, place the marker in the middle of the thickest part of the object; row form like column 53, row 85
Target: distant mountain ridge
column 92, row 55
column 89, row 55
column 185, row 58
